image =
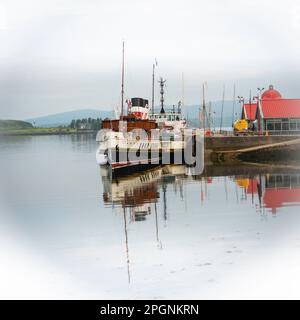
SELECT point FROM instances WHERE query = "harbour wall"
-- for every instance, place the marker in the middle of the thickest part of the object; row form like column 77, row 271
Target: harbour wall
column 240, row 142
column 255, row 148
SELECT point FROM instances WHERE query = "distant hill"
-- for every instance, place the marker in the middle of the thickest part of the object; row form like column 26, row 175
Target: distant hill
column 216, row 106
column 191, row 112
column 14, row 125
column 65, row 118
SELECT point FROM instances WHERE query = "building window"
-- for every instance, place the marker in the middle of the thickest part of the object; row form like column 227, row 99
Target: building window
column 282, row 125
column 274, row 125
column 277, row 126
column 293, row 125
column 285, row 126
column 270, row 126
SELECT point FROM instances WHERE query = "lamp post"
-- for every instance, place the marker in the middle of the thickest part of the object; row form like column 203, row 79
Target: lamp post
column 241, row 100
column 261, row 120
column 260, row 90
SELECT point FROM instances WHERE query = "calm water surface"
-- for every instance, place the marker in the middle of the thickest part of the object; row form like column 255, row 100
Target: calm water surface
column 160, row 234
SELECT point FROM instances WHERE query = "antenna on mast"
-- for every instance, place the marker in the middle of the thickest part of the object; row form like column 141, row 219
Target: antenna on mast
column 162, row 91
column 122, row 86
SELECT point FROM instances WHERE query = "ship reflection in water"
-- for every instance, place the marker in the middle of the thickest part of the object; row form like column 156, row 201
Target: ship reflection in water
column 141, row 192
column 169, row 194
column 270, row 189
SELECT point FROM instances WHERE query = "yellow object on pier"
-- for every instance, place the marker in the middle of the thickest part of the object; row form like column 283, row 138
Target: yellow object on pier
column 241, row 126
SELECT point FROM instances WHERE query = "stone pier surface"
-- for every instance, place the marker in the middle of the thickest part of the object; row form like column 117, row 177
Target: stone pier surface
column 253, row 148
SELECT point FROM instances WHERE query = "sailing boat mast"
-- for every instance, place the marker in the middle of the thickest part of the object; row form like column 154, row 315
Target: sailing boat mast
column 122, row 85
column 250, row 102
column 209, row 116
column 223, row 101
column 233, row 104
column 204, row 108
column 182, row 102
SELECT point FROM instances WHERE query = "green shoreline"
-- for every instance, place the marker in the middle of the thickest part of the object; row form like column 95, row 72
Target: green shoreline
column 43, row 131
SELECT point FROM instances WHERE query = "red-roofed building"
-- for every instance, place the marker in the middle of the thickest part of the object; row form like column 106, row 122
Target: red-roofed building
column 249, row 111
column 279, row 115
column 271, row 94
column 274, row 114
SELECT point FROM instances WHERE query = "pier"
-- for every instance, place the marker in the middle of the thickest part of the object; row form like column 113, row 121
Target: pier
column 252, row 148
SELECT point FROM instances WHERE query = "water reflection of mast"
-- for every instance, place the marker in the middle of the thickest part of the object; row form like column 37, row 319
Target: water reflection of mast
column 185, row 197
column 181, row 189
column 260, row 195
column 259, row 192
column 252, row 189
column 126, row 243
column 202, row 194
column 205, row 186
column 159, row 244
column 164, row 187
column 237, row 193
column 226, row 188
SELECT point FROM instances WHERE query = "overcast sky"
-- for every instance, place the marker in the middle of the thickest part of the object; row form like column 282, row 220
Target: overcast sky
column 62, row 55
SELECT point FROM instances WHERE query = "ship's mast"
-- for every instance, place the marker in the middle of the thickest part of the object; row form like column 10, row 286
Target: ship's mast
column 162, row 91
column 250, row 102
column 209, row 117
column 153, row 79
column 182, row 102
column 222, row 111
column 122, row 85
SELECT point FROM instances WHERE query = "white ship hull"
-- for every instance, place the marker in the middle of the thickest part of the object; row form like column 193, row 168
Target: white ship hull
column 125, row 152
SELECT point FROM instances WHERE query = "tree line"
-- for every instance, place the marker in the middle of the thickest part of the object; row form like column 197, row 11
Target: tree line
column 86, row 124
